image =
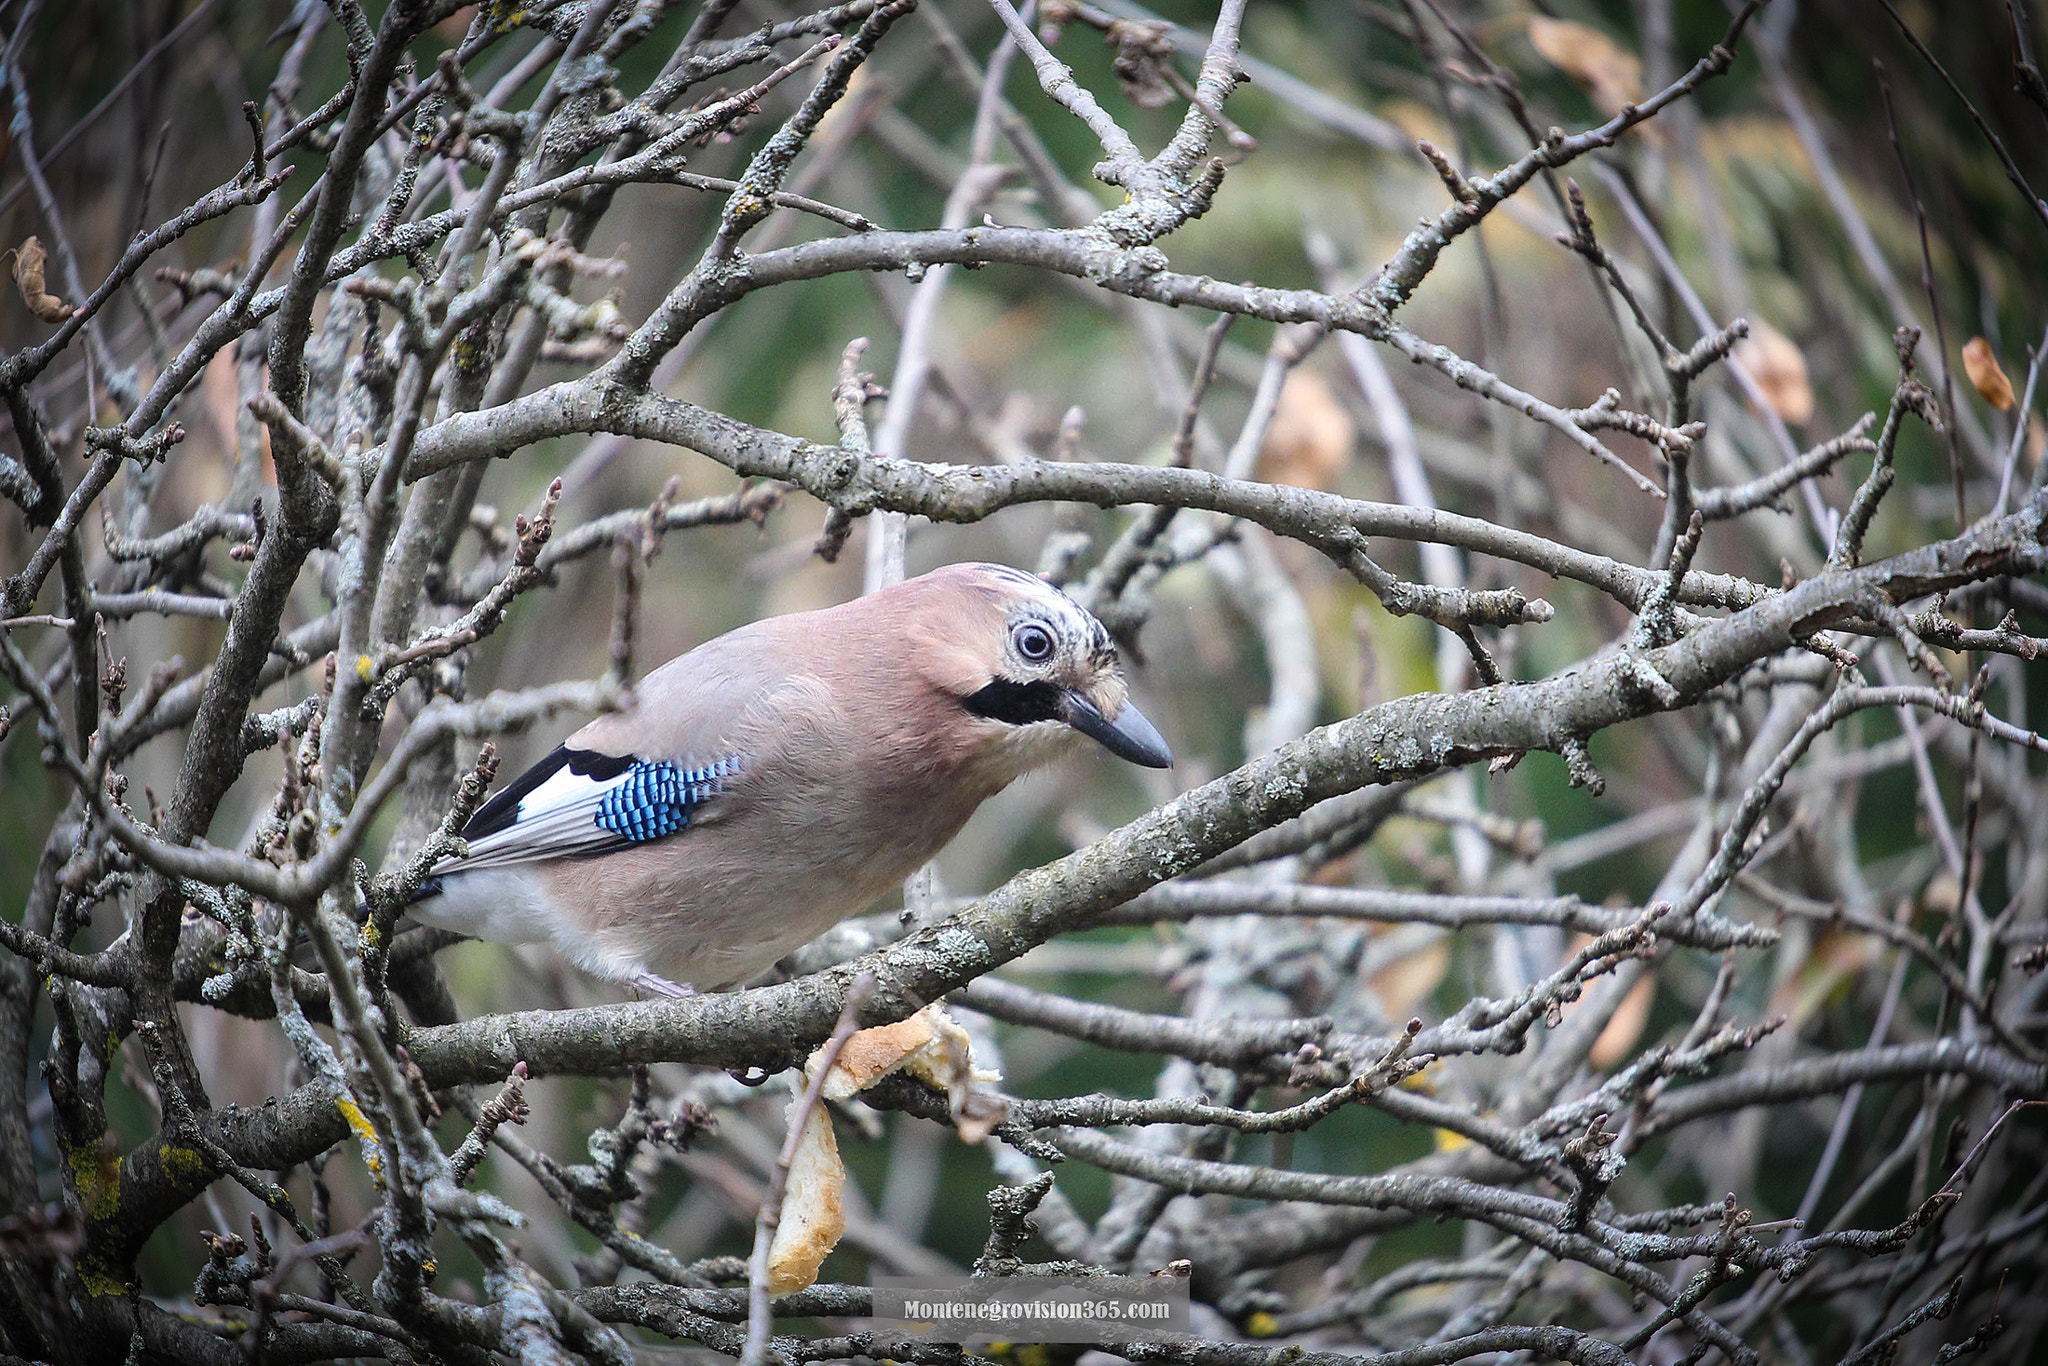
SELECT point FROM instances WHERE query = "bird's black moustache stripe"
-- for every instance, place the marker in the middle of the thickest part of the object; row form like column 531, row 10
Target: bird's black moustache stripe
column 1018, row 704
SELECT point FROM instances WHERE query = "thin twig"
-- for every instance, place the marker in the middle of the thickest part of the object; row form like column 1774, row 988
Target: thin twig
column 759, row 1321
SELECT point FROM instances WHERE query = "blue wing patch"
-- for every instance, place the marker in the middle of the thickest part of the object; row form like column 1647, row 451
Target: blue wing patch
column 655, row 798
column 576, row 803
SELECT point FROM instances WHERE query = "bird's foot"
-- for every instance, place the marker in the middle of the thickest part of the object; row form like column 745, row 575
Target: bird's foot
column 653, row 984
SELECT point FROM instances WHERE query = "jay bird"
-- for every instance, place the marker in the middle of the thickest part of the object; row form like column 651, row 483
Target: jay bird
column 771, row 782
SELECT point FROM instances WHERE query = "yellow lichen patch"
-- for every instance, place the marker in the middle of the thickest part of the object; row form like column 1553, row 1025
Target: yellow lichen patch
column 364, row 668
column 186, row 1166
column 98, row 1279
column 357, row 1120
column 1021, row 1353
column 364, row 1130
column 96, row 1175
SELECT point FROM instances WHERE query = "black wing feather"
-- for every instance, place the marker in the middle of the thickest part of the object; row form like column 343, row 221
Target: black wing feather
column 502, row 809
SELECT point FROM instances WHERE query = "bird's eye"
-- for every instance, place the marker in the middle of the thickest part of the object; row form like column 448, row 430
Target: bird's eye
column 1033, row 642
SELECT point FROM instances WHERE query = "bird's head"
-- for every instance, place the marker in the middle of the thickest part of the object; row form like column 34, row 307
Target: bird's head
column 1030, row 660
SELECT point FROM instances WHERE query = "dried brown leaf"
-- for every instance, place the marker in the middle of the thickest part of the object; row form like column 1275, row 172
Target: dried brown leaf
column 1984, row 371
column 1611, row 74
column 1837, row 960
column 813, row 1207
column 1625, row 1027
column 1310, row 437
column 456, row 25
column 872, row 1054
column 930, row 1046
column 1779, row 368
column 29, row 259
column 1144, row 50
column 1404, row 984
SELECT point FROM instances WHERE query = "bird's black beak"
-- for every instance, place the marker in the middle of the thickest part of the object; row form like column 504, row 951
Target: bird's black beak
column 1129, row 737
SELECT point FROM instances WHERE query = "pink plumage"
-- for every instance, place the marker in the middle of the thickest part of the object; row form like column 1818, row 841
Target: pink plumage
column 773, row 781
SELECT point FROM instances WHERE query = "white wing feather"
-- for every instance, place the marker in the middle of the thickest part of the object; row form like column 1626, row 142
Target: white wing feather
column 555, row 820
